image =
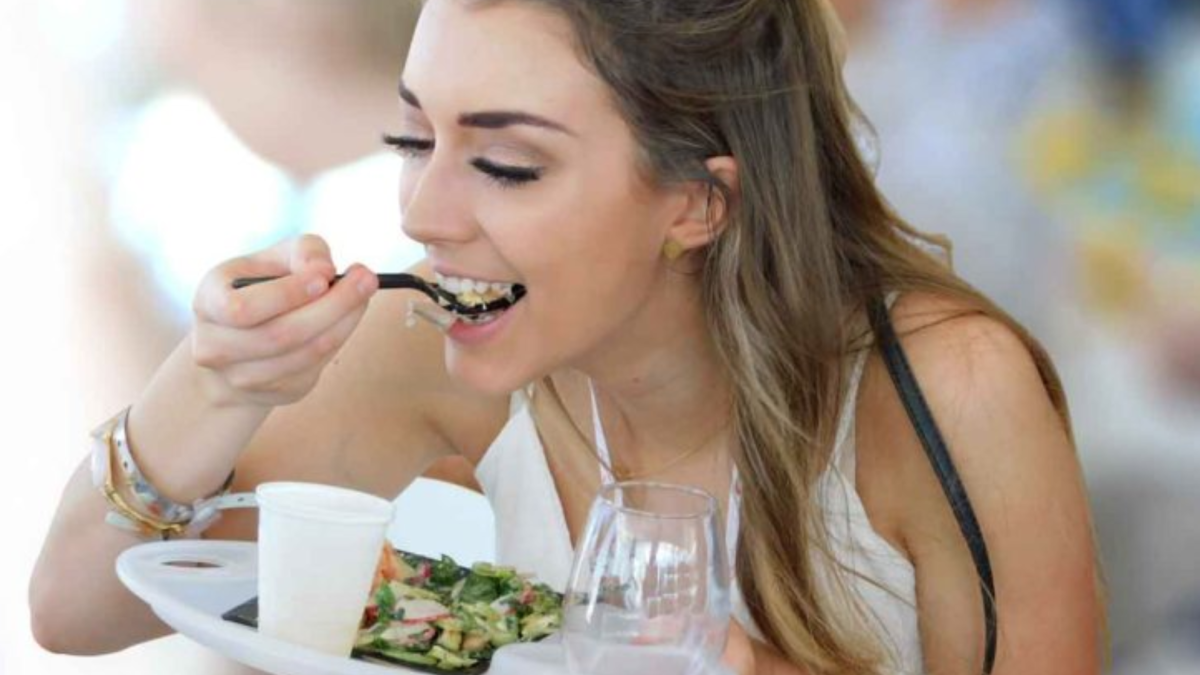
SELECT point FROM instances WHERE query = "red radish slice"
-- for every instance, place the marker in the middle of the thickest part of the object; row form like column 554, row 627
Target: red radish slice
column 418, row 610
column 403, row 633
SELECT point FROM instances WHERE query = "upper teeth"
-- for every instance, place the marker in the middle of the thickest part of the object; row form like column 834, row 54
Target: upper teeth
column 464, row 285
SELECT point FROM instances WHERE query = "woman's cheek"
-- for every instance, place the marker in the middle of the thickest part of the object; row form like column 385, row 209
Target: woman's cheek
column 408, row 181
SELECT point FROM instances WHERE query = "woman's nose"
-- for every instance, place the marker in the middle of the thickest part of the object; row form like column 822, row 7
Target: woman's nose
column 434, row 210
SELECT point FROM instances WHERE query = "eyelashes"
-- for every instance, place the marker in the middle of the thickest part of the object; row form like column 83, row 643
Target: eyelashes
column 407, row 146
column 504, row 175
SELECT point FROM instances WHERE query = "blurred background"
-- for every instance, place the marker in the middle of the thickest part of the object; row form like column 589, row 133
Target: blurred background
column 1056, row 142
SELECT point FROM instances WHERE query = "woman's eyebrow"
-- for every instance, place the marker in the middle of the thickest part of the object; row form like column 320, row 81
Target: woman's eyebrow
column 408, row 97
column 498, row 119
column 492, row 119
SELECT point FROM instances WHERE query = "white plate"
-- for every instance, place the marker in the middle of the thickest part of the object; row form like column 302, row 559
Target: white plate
column 192, row 599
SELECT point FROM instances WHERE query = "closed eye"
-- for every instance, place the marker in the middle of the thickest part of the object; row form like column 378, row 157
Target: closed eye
column 408, row 146
column 505, row 175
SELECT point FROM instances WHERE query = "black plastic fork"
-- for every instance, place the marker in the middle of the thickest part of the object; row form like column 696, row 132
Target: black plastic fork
column 441, row 296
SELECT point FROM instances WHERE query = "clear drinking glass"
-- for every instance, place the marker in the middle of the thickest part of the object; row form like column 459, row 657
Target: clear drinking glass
column 649, row 589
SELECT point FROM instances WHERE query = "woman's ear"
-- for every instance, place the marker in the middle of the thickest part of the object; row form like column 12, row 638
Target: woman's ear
column 707, row 211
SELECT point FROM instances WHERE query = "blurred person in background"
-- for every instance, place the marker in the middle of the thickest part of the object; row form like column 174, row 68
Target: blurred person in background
column 48, row 128
column 1121, row 166
column 211, row 144
column 231, row 151
column 1114, row 157
column 945, row 85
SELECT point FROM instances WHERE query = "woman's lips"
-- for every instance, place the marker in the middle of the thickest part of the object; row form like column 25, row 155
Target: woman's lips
column 467, row 332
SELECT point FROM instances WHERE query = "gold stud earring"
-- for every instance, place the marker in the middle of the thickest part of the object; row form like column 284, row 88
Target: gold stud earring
column 672, row 250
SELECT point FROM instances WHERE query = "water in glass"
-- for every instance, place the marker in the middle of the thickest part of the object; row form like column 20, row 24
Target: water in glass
column 649, row 588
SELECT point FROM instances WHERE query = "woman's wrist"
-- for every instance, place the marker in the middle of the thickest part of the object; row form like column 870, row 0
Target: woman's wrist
column 211, row 386
column 185, row 441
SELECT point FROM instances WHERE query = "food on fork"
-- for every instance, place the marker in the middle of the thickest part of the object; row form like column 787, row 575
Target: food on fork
column 474, row 292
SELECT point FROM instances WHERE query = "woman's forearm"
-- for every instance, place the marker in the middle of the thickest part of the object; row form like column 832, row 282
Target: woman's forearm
column 77, row 604
column 186, row 446
column 250, row 350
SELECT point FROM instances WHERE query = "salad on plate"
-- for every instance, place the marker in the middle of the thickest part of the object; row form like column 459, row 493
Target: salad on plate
column 436, row 616
column 435, row 613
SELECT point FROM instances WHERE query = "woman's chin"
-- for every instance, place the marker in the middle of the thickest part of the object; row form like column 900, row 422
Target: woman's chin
column 486, row 376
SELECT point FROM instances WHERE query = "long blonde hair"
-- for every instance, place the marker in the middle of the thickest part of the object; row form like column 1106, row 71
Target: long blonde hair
column 810, row 237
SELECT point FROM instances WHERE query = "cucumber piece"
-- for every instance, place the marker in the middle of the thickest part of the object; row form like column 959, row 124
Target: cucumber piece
column 451, row 640
column 400, row 590
column 450, row 661
column 406, row 656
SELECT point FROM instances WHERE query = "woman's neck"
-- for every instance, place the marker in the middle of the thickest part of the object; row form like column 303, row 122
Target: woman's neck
column 661, row 388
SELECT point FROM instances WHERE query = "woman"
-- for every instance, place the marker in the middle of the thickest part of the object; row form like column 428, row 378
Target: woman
column 676, row 185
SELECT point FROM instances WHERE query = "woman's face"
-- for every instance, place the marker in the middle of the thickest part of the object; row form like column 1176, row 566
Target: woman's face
column 520, row 170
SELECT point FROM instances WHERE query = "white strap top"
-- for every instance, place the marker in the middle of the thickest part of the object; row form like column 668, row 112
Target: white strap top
column 532, row 533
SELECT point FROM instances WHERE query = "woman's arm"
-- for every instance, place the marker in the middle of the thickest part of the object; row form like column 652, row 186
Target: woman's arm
column 1021, row 473
column 362, row 417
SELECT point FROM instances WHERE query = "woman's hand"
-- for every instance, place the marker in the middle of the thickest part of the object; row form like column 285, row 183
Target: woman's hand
column 266, row 344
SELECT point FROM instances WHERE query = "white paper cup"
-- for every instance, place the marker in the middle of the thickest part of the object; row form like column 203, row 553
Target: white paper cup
column 318, row 547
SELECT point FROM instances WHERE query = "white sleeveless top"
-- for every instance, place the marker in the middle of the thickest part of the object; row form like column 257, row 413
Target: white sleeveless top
column 532, row 533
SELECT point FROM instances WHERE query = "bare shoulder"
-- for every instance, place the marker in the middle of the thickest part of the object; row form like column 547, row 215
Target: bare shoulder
column 957, row 350
column 986, row 391
column 977, row 374
column 1012, row 450
column 988, row 399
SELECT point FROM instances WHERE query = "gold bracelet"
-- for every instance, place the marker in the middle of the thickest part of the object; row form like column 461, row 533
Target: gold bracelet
column 136, row 506
column 146, row 525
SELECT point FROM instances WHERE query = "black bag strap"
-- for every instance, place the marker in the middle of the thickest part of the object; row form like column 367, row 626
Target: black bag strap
column 935, row 449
